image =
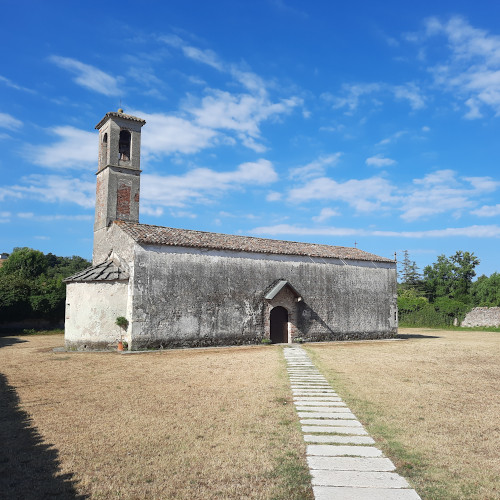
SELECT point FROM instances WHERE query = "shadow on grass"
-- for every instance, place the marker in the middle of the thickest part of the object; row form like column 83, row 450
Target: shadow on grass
column 415, row 336
column 28, row 466
column 7, row 341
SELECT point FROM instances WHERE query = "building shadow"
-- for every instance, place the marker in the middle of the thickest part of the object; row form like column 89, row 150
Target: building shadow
column 7, row 341
column 415, row 336
column 29, row 468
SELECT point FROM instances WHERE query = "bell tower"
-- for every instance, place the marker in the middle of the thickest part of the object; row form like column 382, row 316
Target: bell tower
column 118, row 172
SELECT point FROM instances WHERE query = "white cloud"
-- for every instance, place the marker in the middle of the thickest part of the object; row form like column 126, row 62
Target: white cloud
column 8, row 121
column 492, row 231
column 280, row 229
column 325, row 214
column 76, row 148
column 364, row 195
column 392, row 138
column 54, row 189
column 208, row 57
column 380, row 161
column 354, row 95
column 153, row 211
column 11, row 84
column 183, row 214
column 167, row 134
column 487, row 211
column 472, row 68
column 274, row 196
column 441, row 192
column 54, row 217
column 89, row 76
column 483, row 184
column 315, row 168
column 411, row 93
column 241, row 113
column 202, row 184
column 5, row 217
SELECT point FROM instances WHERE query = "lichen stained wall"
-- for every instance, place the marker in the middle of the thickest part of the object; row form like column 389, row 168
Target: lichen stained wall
column 192, row 297
column 91, row 312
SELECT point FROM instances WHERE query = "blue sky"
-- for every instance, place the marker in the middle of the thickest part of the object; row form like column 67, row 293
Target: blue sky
column 331, row 122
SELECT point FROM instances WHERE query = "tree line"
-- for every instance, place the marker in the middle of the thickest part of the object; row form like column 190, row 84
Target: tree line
column 31, row 284
column 445, row 291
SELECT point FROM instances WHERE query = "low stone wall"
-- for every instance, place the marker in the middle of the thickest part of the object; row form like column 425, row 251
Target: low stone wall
column 483, row 316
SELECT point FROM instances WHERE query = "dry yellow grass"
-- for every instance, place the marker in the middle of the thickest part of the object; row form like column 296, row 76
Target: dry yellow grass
column 432, row 402
column 185, row 424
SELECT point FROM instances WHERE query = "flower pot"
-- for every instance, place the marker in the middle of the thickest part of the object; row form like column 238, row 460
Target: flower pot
column 120, row 346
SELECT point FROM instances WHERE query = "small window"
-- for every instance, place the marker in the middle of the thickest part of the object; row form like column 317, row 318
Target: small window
column 105, row 138
column 124, row 145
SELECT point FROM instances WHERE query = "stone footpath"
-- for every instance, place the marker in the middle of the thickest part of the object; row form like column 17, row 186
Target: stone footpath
column 343, row 462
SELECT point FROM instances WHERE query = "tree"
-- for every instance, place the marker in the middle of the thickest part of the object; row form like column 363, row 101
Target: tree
column 486, row 291
column 31, row 284
column 450, row 277
column 26, row 262
column 464, row 264
column 409, row 274
column 438, row 278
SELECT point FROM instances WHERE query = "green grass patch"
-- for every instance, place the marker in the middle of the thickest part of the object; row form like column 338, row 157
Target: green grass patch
column 295, row 481
column 33, row 331
column 456, row 328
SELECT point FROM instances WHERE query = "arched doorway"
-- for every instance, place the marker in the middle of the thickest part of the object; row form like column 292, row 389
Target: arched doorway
column 279, row 325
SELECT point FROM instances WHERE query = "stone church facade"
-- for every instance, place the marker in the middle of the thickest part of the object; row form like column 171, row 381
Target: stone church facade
column 181, row 288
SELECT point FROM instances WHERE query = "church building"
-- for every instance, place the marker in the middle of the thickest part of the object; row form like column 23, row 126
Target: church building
column 182, row 288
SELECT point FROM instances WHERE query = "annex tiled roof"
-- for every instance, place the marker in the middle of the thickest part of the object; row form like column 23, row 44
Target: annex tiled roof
column 106, row 271
column 156, row 235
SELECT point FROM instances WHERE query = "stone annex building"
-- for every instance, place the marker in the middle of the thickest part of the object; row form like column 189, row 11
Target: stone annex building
column 180, row 288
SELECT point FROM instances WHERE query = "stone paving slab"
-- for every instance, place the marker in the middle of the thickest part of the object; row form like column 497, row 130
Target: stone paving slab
column 326, row 438
column 316, row 397
column 319, row 391
column 347, row 415
column 351, row 463
column 330, row 421
column 323, row 409
column 359, row 479
column 357, row 431
column 342, row 493
column 299, row 384
column 315, row 402
column 330, row 450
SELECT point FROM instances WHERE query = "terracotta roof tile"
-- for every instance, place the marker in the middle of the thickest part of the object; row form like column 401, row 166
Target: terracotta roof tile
column 157, row 235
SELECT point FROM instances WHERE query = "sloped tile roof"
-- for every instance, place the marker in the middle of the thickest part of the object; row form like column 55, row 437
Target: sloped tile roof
column 106, row 271
column 278, row 287
column 157, row 235
column 117, row 114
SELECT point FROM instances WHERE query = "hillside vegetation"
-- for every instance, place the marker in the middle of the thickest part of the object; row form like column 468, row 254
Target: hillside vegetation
column 445, row 292
column 31, row 284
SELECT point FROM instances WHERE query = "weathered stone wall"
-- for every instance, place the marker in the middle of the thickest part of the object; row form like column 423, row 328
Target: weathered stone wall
column 91, row 312
column 188, row 297
column 482, row 316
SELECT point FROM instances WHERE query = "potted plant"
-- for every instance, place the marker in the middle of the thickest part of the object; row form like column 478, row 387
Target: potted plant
column 122, row 322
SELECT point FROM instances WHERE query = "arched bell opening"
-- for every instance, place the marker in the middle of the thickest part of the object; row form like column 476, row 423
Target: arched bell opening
column 279, row 325
column 124, row 145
